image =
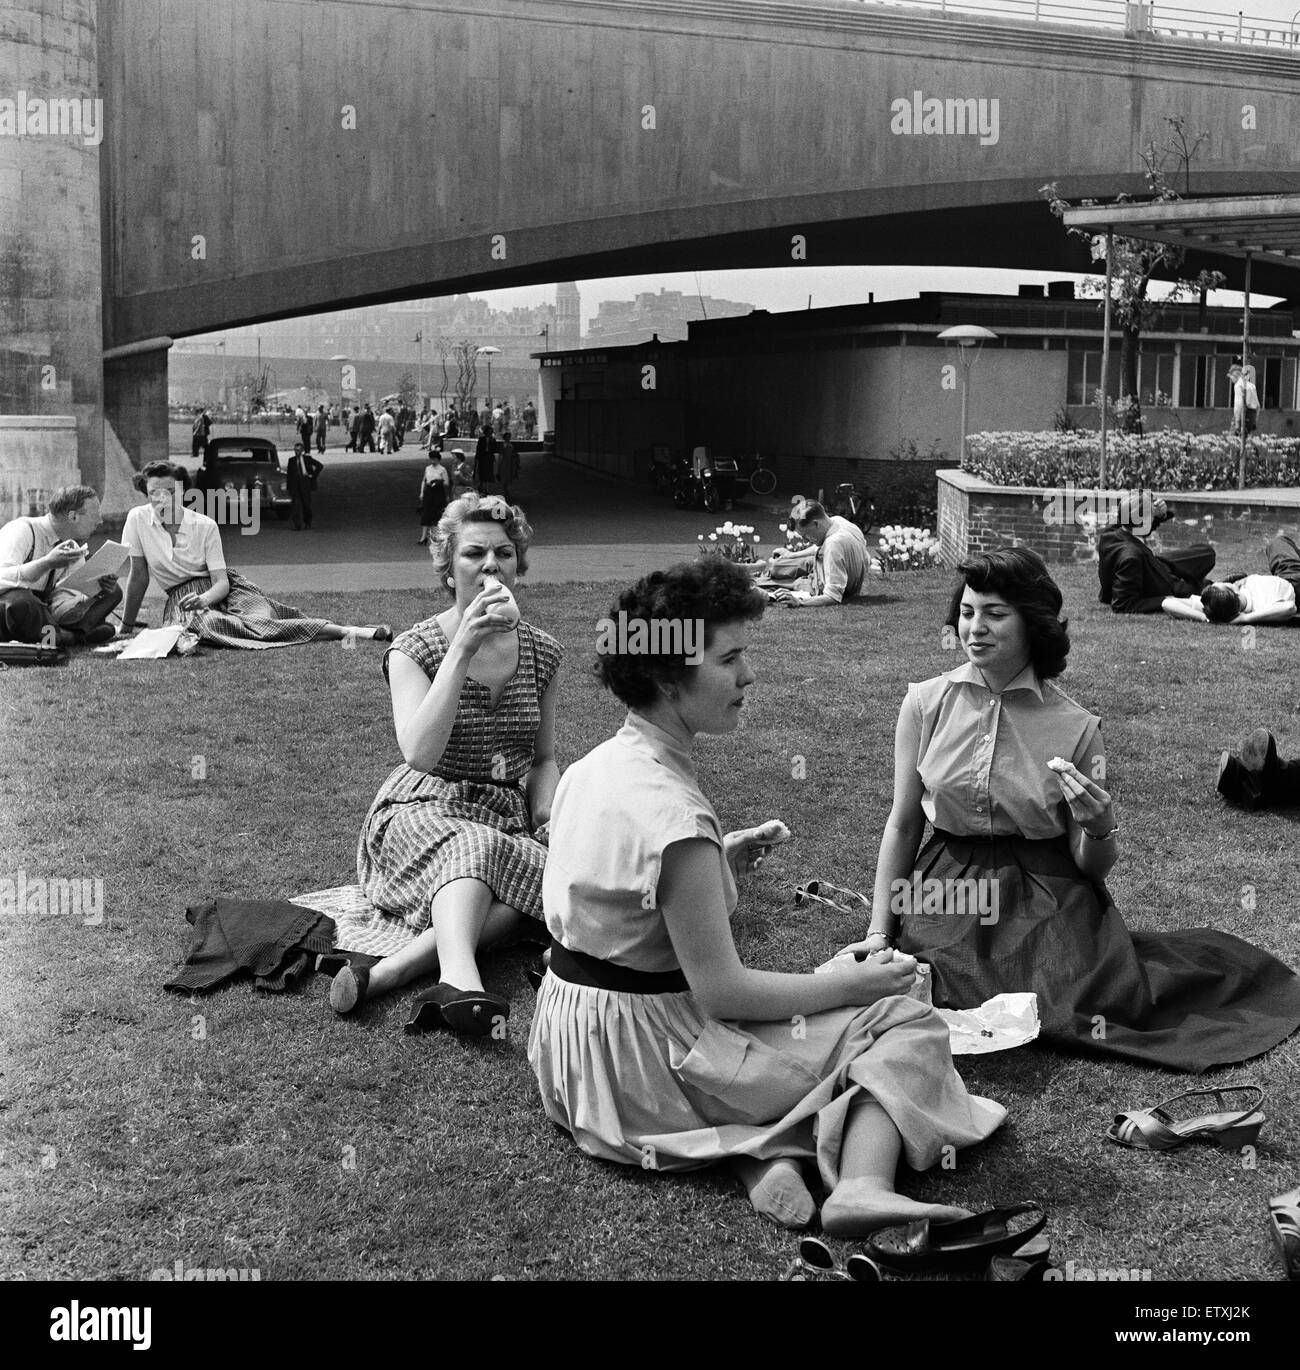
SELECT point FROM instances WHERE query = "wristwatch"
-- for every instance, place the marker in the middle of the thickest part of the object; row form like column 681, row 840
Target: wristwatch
column 888, row 937
column 1100, row 836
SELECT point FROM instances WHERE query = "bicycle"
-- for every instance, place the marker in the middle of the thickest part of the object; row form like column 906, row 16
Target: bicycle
column 762, row 479
column 855, row 507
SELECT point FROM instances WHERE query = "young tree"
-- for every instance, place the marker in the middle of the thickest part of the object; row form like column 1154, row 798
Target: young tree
column 465, row 354
column 407, row 392
column 1135, row 262
column 252, row 387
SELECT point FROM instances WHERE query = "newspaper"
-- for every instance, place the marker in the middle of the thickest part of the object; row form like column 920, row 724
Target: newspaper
column 109, row 560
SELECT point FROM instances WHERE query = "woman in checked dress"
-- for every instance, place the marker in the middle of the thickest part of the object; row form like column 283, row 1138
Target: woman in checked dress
column 450, row 844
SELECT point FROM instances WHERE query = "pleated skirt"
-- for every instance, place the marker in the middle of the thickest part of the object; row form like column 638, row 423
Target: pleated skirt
column 650, row 1080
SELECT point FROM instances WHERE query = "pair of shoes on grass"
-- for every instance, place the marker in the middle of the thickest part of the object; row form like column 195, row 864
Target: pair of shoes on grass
column 472, row 1013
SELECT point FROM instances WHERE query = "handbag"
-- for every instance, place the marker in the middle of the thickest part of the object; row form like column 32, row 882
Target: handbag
column 30, row 654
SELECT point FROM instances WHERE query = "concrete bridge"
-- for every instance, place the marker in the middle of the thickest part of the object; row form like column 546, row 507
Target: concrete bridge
column 265, row 158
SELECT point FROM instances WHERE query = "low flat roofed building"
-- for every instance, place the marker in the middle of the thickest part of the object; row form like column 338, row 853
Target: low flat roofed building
column 828, row 394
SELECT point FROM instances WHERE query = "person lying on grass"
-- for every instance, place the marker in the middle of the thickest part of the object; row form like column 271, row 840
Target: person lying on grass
column 653, row 1044
column 450, row 843
column 1244, row 599
column 181, row 549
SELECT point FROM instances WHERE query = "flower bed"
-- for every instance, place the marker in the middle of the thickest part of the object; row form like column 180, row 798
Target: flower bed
column 735, row 541
column 1158, row 461
column 907, row 549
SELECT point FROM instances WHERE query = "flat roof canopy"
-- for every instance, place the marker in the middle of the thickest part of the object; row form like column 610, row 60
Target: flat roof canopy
column 1266, row 226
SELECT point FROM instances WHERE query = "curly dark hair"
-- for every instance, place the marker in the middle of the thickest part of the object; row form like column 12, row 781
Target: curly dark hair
column 711, row 590
column 160, row 468
column 1021, row 577
column 1220, row 602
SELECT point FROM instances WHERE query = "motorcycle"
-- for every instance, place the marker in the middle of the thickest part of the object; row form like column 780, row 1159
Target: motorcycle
column 695, row 485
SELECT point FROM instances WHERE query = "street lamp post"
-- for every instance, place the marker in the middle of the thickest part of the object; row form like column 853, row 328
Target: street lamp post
column 489, row 353
column 968, row 337
column 419, row 338
column 341, row 358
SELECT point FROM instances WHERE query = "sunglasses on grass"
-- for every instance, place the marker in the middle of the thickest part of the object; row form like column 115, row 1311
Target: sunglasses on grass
column 815, row 1261
column 823, row 892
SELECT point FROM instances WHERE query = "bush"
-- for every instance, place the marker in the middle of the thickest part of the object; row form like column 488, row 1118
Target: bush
column 907, row 492
column 1158, row 461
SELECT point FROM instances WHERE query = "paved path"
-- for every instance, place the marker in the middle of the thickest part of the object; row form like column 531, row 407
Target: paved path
column 587, row 528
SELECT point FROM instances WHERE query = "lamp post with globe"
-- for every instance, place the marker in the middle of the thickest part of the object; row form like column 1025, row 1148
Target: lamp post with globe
column 489, row 353
column 969, row 337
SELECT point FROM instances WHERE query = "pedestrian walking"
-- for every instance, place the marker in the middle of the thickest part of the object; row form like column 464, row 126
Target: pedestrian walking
column 435, row 485
column 322, row 427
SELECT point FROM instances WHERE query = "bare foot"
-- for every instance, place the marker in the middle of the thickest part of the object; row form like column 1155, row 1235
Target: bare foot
column 855, row 1208
column 777, row 1191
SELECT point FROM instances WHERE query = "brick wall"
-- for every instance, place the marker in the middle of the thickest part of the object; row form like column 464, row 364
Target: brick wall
column 977, row 517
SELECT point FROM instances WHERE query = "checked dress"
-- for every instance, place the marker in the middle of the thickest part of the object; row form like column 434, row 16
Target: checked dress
column 469, row 818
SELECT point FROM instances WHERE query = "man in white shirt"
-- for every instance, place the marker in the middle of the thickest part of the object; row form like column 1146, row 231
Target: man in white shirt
column 840, row 564
column 1247, row 599
column 35, row 554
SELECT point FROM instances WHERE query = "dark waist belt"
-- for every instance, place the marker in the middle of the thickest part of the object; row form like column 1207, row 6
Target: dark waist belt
column 580, row 969
column 986, row 839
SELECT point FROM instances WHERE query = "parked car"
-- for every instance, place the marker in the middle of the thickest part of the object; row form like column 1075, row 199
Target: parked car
column 247, row 463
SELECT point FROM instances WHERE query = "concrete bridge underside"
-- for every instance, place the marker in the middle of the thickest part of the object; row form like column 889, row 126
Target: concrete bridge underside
column 266, row 158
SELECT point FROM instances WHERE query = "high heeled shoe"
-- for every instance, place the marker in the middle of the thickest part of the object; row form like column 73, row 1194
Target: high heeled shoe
column 1284, row 1214
column 1154, row 1129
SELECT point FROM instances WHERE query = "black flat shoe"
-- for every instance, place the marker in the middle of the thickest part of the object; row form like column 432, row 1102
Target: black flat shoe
column 348, row 989
column 472, row 1013
column 973, row 1241
column 1259, row 753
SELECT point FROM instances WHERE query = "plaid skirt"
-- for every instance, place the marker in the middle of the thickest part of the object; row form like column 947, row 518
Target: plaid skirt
column 245, row 618
column 424, row 831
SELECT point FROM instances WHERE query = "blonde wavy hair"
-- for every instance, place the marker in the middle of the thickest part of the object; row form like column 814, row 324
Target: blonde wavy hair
column 476, row 508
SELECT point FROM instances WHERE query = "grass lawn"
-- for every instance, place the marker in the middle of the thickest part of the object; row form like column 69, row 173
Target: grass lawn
column 260, row 1131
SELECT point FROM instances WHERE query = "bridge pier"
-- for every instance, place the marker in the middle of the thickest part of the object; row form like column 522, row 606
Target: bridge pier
column 51, row 291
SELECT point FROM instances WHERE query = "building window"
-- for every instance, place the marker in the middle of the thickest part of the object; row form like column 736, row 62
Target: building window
column 1156, row 378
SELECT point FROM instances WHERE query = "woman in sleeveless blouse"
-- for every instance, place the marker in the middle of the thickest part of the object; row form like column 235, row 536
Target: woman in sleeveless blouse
column 1009, row 893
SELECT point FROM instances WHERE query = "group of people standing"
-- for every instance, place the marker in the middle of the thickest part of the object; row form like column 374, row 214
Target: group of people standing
column 653, row 1044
